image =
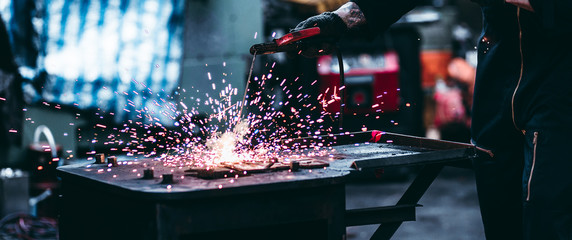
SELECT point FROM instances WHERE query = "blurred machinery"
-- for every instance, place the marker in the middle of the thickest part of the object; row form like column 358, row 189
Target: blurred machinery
column 371, row 83
column 13, row 192
column 383, row 84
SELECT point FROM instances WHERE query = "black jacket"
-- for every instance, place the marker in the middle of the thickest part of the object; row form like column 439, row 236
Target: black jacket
column 524, row 74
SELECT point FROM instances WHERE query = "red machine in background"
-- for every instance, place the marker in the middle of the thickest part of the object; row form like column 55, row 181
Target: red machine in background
column 382, row 83
column 371, row 83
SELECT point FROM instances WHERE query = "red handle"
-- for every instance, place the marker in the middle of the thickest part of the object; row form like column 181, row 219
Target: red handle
column 376, row 136
column 295, row 36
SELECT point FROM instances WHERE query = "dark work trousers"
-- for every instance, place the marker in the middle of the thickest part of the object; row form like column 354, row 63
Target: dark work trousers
column 499, row 188
column 525, row 192
column 547, row 184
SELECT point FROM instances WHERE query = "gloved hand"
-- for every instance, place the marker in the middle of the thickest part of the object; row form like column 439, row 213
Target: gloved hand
column 332, row 28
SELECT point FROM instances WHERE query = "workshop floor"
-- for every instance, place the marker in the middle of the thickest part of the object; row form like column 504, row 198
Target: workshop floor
column 450, row 207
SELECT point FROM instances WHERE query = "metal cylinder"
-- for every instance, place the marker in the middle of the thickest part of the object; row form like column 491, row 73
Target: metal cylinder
column 99, row 158
column 112, row 160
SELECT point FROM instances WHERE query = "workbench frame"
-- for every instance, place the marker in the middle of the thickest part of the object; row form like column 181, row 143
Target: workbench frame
column 438, row 155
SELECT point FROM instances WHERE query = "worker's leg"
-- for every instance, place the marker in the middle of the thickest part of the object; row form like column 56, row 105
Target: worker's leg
column 499, row 187
column 548, row 184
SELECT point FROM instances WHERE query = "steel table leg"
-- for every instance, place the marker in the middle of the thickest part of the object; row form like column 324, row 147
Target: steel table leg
column 411, row 196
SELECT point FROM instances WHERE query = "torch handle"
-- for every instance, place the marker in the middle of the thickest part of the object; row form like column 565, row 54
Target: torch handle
column 287, row 43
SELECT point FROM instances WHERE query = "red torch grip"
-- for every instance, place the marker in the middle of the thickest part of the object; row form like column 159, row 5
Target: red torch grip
column 298, row 35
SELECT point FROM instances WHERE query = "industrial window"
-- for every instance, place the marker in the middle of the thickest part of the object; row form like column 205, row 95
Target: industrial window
column 121, row 57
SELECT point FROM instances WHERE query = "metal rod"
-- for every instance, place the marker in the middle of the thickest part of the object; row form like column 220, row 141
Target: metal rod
column 377, row 215
column 247, row 85
column 342, row 88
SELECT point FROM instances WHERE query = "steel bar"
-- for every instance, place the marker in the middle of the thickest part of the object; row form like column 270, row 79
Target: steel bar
column 442, row 156
column 386, row 214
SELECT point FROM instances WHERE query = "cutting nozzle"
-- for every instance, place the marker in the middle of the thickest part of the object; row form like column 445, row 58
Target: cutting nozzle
column 287, row 43
column 272, row 47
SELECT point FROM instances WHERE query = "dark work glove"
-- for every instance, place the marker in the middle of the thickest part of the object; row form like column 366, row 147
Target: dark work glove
column 332, row 28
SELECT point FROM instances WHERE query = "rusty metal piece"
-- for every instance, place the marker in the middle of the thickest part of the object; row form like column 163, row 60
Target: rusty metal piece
column 217, row 172
column 112, row 160
column 251, row 167
column 99, row 158
column 311, row 163
column 269, row 165
column 194, row 169
column 279, row 166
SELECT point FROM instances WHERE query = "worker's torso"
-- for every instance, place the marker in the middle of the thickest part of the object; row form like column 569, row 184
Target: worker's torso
column 524, row 77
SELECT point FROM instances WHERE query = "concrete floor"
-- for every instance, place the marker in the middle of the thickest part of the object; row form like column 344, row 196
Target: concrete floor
column 450, row 207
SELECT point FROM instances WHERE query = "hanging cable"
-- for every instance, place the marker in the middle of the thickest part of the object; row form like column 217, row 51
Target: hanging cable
column 342, row 88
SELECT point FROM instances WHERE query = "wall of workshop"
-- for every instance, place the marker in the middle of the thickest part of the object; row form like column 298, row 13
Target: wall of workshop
column 217, row 38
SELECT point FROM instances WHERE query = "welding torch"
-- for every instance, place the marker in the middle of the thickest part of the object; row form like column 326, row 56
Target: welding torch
column 287, row 43
column 296, row 42
column 290, row 42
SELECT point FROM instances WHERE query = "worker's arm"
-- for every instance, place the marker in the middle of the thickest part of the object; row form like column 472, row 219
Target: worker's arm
column 372, row 16
column 376, row 15
column 380, row 14
column 554, row 14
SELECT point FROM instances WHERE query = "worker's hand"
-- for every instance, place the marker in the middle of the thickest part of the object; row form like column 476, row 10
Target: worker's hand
column 333, row 25
column 332, row 28
column 330, row 24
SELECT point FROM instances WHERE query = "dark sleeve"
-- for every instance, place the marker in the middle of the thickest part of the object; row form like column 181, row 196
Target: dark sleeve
column 380, row 14
column 555, row 15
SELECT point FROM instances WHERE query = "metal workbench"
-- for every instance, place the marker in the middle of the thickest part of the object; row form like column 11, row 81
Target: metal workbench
column 117, row 203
